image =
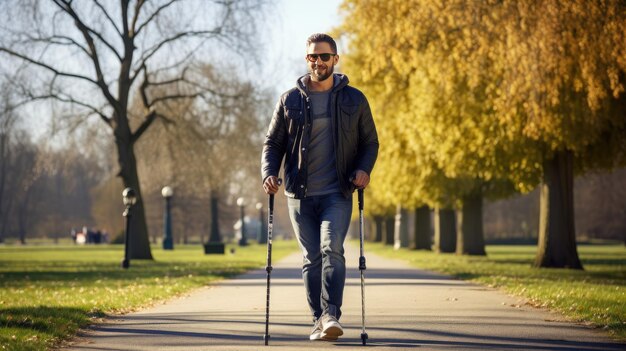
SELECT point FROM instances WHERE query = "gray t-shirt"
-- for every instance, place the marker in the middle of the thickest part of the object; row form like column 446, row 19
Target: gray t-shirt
column 322, row 172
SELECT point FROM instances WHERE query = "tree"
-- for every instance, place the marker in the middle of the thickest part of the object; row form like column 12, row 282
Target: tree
column 18, row 171
column 94, row 57
column 502, row 94
column 195, row 153
column 564, row 88
column 442, row 150
column 7, row 129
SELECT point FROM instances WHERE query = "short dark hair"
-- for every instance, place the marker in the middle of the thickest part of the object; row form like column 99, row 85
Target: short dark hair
column 321, row 37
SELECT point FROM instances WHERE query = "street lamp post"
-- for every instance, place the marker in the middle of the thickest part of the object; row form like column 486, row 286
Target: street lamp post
column 262, row 238
column 130, row 198
column 215, row 244
column 241, row 203
column 168, row 241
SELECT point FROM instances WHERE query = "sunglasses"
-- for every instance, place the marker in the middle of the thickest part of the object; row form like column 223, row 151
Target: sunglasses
column 324, row 57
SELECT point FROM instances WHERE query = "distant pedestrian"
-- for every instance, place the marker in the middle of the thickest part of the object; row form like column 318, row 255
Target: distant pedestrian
column 323, row 128
column 97, row 236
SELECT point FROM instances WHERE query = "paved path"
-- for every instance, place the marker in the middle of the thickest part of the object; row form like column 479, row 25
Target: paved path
column 406, row 309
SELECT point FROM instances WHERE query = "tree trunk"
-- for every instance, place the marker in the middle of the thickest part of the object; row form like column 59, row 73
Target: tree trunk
column 215, row 236
column 378, row 231
column 21, row 225
column 421, row 237
column 389, row 226
column 4, row 159
column 404, row 228
column 557, row 235
column 4, row 219
column 22, row 214
column 445, row 232
column 138, row 237
column 469, row 226
column 401, row 229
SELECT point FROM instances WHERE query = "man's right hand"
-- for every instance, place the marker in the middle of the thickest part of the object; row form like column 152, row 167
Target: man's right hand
column 271, row 185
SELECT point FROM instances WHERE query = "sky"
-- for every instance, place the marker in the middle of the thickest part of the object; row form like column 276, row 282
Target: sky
column 297, row 19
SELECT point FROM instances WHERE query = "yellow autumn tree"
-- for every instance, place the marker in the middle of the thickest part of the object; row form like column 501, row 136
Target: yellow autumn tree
column 564, row 88
column 441, row 149
column 493, row 94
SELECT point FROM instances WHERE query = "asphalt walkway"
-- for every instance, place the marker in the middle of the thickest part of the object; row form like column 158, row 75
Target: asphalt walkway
column 405, row 309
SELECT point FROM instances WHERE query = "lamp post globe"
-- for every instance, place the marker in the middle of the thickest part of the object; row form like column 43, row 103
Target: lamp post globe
column 168, row 241
column 241, row 202
column 129, row 197
column 167, row 191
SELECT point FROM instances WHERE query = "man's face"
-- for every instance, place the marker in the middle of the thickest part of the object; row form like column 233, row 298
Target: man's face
column 320, row 70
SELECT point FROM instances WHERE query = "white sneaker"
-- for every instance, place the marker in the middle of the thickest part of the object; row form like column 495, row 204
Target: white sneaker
column 331, row 329
column 316, row 333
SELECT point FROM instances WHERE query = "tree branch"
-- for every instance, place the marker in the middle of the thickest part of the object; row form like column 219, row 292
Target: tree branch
column 48, row 67
column 56, row 40
column 138, row 7
column 155, row 48
column 148, row 120
column 83, row 27
column 151, row 17
column 106, row 14
column 176, row 96
column 152, row 115
column 65, row 5
column 166, row 68
column 65, row 99
column 173, row 80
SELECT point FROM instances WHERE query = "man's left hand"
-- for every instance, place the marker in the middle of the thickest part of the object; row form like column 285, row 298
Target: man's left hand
column 361, row 179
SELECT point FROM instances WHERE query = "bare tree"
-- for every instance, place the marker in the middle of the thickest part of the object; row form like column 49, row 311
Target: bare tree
column 211, row 151
column 94, row 56
column 18, row 157
column 7, row 125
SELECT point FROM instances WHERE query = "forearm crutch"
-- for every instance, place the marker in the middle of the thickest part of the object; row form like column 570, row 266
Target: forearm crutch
column 268, row 267
column 362, row 268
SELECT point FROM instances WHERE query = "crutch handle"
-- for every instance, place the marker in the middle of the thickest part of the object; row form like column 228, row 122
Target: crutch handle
column 280, row 182
column 361, row 200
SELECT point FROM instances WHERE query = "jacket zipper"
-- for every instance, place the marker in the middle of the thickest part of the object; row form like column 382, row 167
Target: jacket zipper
column 307, row 130
column 334, row 117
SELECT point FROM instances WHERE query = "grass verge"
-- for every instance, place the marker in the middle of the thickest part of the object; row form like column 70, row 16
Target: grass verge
column 48, row 292
column 595, row 296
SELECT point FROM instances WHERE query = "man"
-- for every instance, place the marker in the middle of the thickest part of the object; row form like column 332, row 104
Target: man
column 324, row 129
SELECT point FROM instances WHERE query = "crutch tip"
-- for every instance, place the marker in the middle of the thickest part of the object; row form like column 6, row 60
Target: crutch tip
column 266, row 338
column 364, row 338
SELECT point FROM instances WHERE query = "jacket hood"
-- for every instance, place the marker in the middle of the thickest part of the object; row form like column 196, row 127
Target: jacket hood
column 339, row 81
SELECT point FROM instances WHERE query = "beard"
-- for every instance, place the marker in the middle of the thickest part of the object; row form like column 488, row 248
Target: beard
column 321, row 76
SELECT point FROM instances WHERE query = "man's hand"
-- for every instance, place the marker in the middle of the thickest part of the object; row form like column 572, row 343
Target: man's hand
column 361, row 179
column 271, row 185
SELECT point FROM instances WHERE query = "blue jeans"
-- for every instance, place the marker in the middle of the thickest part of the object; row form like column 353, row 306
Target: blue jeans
column 321, row 224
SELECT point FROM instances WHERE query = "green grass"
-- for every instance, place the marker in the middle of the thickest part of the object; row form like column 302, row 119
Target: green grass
column 48, row 292
column 595, row 296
